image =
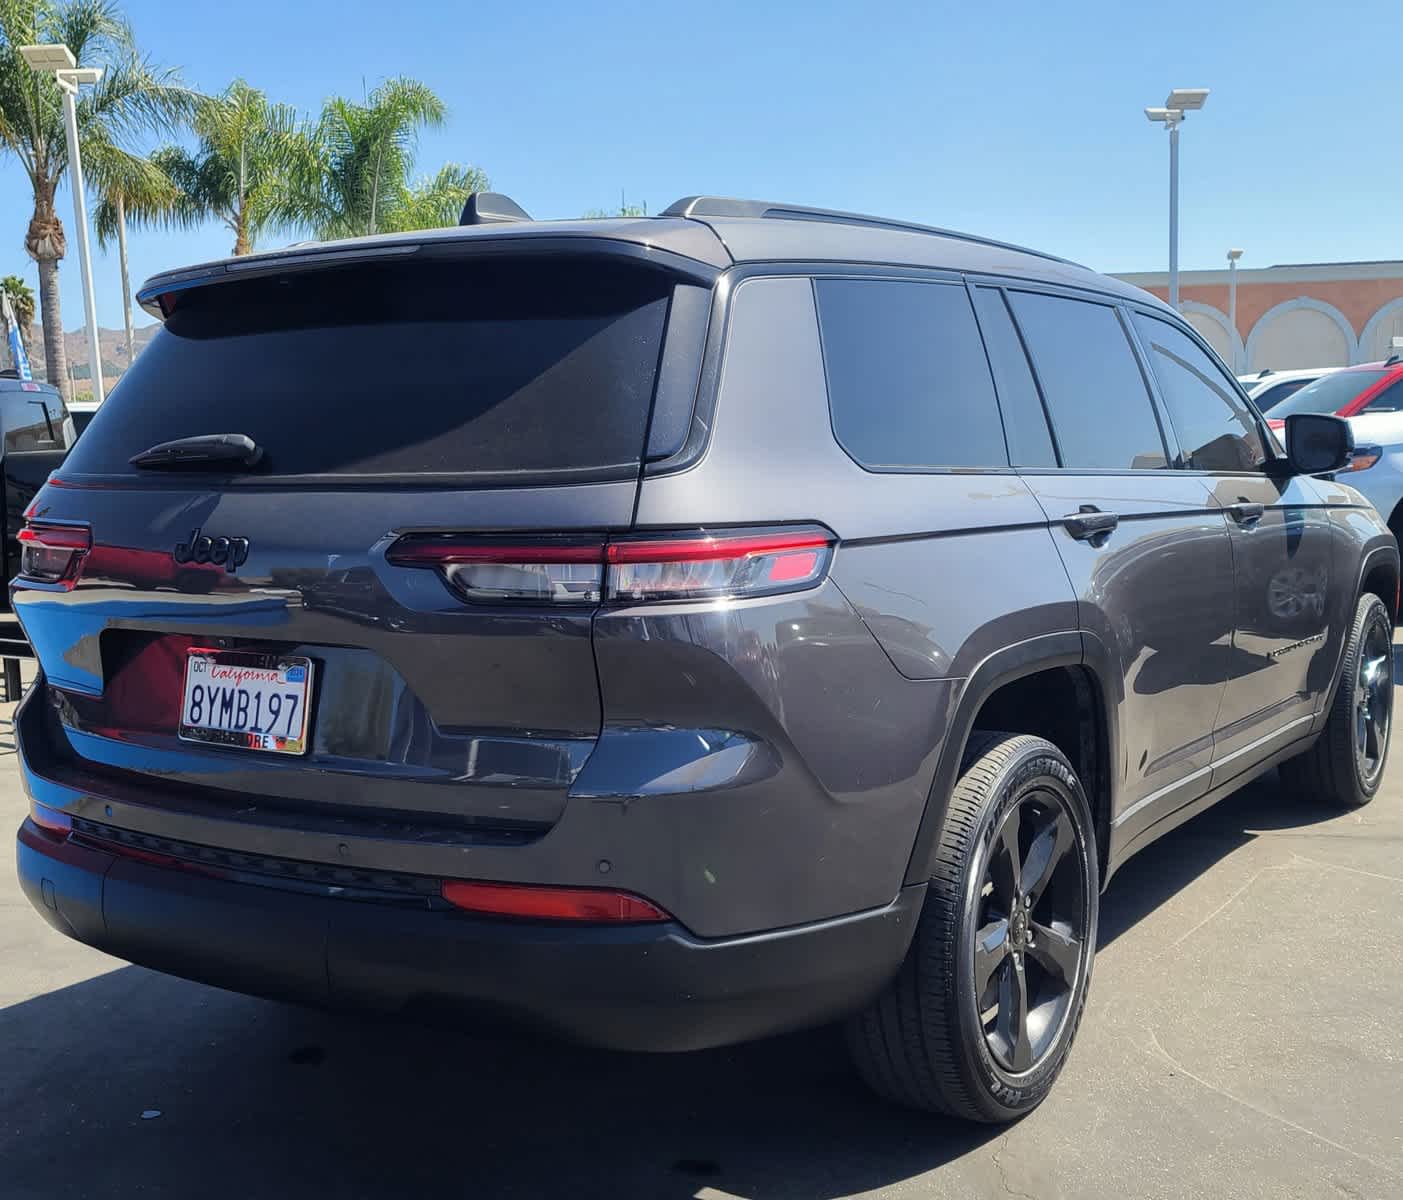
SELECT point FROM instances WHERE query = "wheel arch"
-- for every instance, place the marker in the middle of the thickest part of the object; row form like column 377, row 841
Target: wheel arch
column 1009, row 690
column 1379, row 574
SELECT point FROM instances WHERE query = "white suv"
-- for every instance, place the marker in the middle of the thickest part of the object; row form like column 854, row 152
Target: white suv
column 1272, row 387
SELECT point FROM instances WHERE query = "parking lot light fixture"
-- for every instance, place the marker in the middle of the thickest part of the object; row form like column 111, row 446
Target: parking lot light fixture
column 1233, row 256
column 1171, row 116
column 57, row 59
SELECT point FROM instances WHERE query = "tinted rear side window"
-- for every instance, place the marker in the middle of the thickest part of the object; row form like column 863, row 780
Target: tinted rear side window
column 1101, row 409
column 908, row 383
column 1216, row 430
column 33, row 419
column 1029, row 444
column 496, row 369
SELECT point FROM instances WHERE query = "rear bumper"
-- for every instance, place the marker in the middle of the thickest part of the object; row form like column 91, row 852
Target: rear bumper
column 638, row 987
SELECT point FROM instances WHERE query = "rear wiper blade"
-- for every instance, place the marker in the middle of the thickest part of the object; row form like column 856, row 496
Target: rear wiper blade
column 232, row 450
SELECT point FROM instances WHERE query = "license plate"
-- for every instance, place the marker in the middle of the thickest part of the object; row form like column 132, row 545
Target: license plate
column 249, row 701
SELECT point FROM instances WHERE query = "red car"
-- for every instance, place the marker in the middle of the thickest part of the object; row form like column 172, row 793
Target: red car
column 1369, row 387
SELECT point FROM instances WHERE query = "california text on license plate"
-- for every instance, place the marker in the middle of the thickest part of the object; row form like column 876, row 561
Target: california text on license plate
column 251, row 701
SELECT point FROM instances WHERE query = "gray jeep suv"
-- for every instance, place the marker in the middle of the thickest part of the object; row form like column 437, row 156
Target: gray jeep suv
column 673, row 631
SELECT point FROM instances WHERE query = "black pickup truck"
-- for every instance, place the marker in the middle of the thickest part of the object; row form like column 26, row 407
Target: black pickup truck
column 35, row 434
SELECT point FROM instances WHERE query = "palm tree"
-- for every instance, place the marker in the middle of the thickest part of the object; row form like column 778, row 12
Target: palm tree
column 22, row 300
column 350, row 176
column 434, row 202
column 237, row 173
column 132, row 97
column 139, row 190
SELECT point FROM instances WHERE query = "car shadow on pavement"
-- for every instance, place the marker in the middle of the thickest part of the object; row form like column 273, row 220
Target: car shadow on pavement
column 261, row 1099
column 1173, row 862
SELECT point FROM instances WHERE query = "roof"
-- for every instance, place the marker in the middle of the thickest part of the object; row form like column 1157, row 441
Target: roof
column 712, row 232
column 25, row 385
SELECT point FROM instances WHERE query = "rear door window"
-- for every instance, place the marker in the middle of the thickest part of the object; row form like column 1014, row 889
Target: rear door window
column 498, row 370
column 1025, row 423
column 1101, row 410
column 1216, row 430
column 908, row 381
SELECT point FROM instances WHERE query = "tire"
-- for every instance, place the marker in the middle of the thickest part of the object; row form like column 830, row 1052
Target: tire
column 923, row 1041
column 1333, row 771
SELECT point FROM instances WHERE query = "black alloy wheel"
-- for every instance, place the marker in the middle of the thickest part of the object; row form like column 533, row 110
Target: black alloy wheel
column 1373, row 702
column 1031, row 931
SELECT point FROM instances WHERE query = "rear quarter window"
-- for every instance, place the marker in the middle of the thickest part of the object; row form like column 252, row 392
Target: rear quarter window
column 507, row 369
column 908, row 382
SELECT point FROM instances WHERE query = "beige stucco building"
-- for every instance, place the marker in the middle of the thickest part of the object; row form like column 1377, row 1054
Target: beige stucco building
column 1305, row 315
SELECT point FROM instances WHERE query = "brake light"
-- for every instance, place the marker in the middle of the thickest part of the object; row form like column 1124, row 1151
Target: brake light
column 596, row 905
column 717, row 565
column 722, row 564
column 53, row 554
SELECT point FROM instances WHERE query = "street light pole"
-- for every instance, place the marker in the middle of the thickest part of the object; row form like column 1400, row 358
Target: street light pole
column 1233, row 256
column 80, row 218
column 59, row 60
column 1171, row 116
column 1174, row 215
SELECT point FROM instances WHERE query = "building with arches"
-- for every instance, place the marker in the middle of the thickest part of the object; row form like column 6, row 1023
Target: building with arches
column 1296, row 315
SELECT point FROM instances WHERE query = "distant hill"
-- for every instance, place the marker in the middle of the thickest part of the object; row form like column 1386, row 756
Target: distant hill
column 75, row 344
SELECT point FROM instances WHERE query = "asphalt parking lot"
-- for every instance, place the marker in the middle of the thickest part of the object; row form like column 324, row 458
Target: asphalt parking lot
column 1244, row 1038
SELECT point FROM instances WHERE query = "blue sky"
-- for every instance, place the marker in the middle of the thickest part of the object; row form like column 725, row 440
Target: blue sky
column 1017, row 120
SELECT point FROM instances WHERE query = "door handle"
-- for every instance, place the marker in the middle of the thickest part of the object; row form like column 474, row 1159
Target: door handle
column 1245, row 512
column 1091, row 523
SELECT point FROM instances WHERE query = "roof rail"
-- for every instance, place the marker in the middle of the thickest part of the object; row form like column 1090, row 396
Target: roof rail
column 725, row 206
column 491, row 208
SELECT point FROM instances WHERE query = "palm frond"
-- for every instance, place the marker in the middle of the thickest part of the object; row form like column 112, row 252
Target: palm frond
column 134, row 97
column 351, row 172
column 436, row 202
column 134, row 185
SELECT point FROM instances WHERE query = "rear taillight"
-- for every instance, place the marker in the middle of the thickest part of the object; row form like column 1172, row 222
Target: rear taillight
column 52, row 554
column 57, row 825
column 596, row 905
column 716, row 565
column 487, row 572
column 731, row 564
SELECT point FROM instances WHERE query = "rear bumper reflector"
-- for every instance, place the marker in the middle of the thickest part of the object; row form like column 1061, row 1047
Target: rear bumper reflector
column 597, row 905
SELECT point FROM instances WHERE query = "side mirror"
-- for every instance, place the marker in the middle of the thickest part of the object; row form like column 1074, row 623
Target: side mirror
column 1317, row 443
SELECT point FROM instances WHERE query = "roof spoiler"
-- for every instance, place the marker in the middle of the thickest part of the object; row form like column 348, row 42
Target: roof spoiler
column 491, row 208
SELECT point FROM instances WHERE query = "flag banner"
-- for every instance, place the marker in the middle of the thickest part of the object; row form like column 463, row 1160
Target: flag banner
column 17, row 354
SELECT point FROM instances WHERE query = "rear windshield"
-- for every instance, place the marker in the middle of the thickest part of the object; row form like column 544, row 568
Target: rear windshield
column 491, row 369
column 1328, row 394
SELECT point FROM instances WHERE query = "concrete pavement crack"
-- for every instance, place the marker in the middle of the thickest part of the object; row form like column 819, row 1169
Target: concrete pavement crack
column 1003, row 1175
column 1165, row 1056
